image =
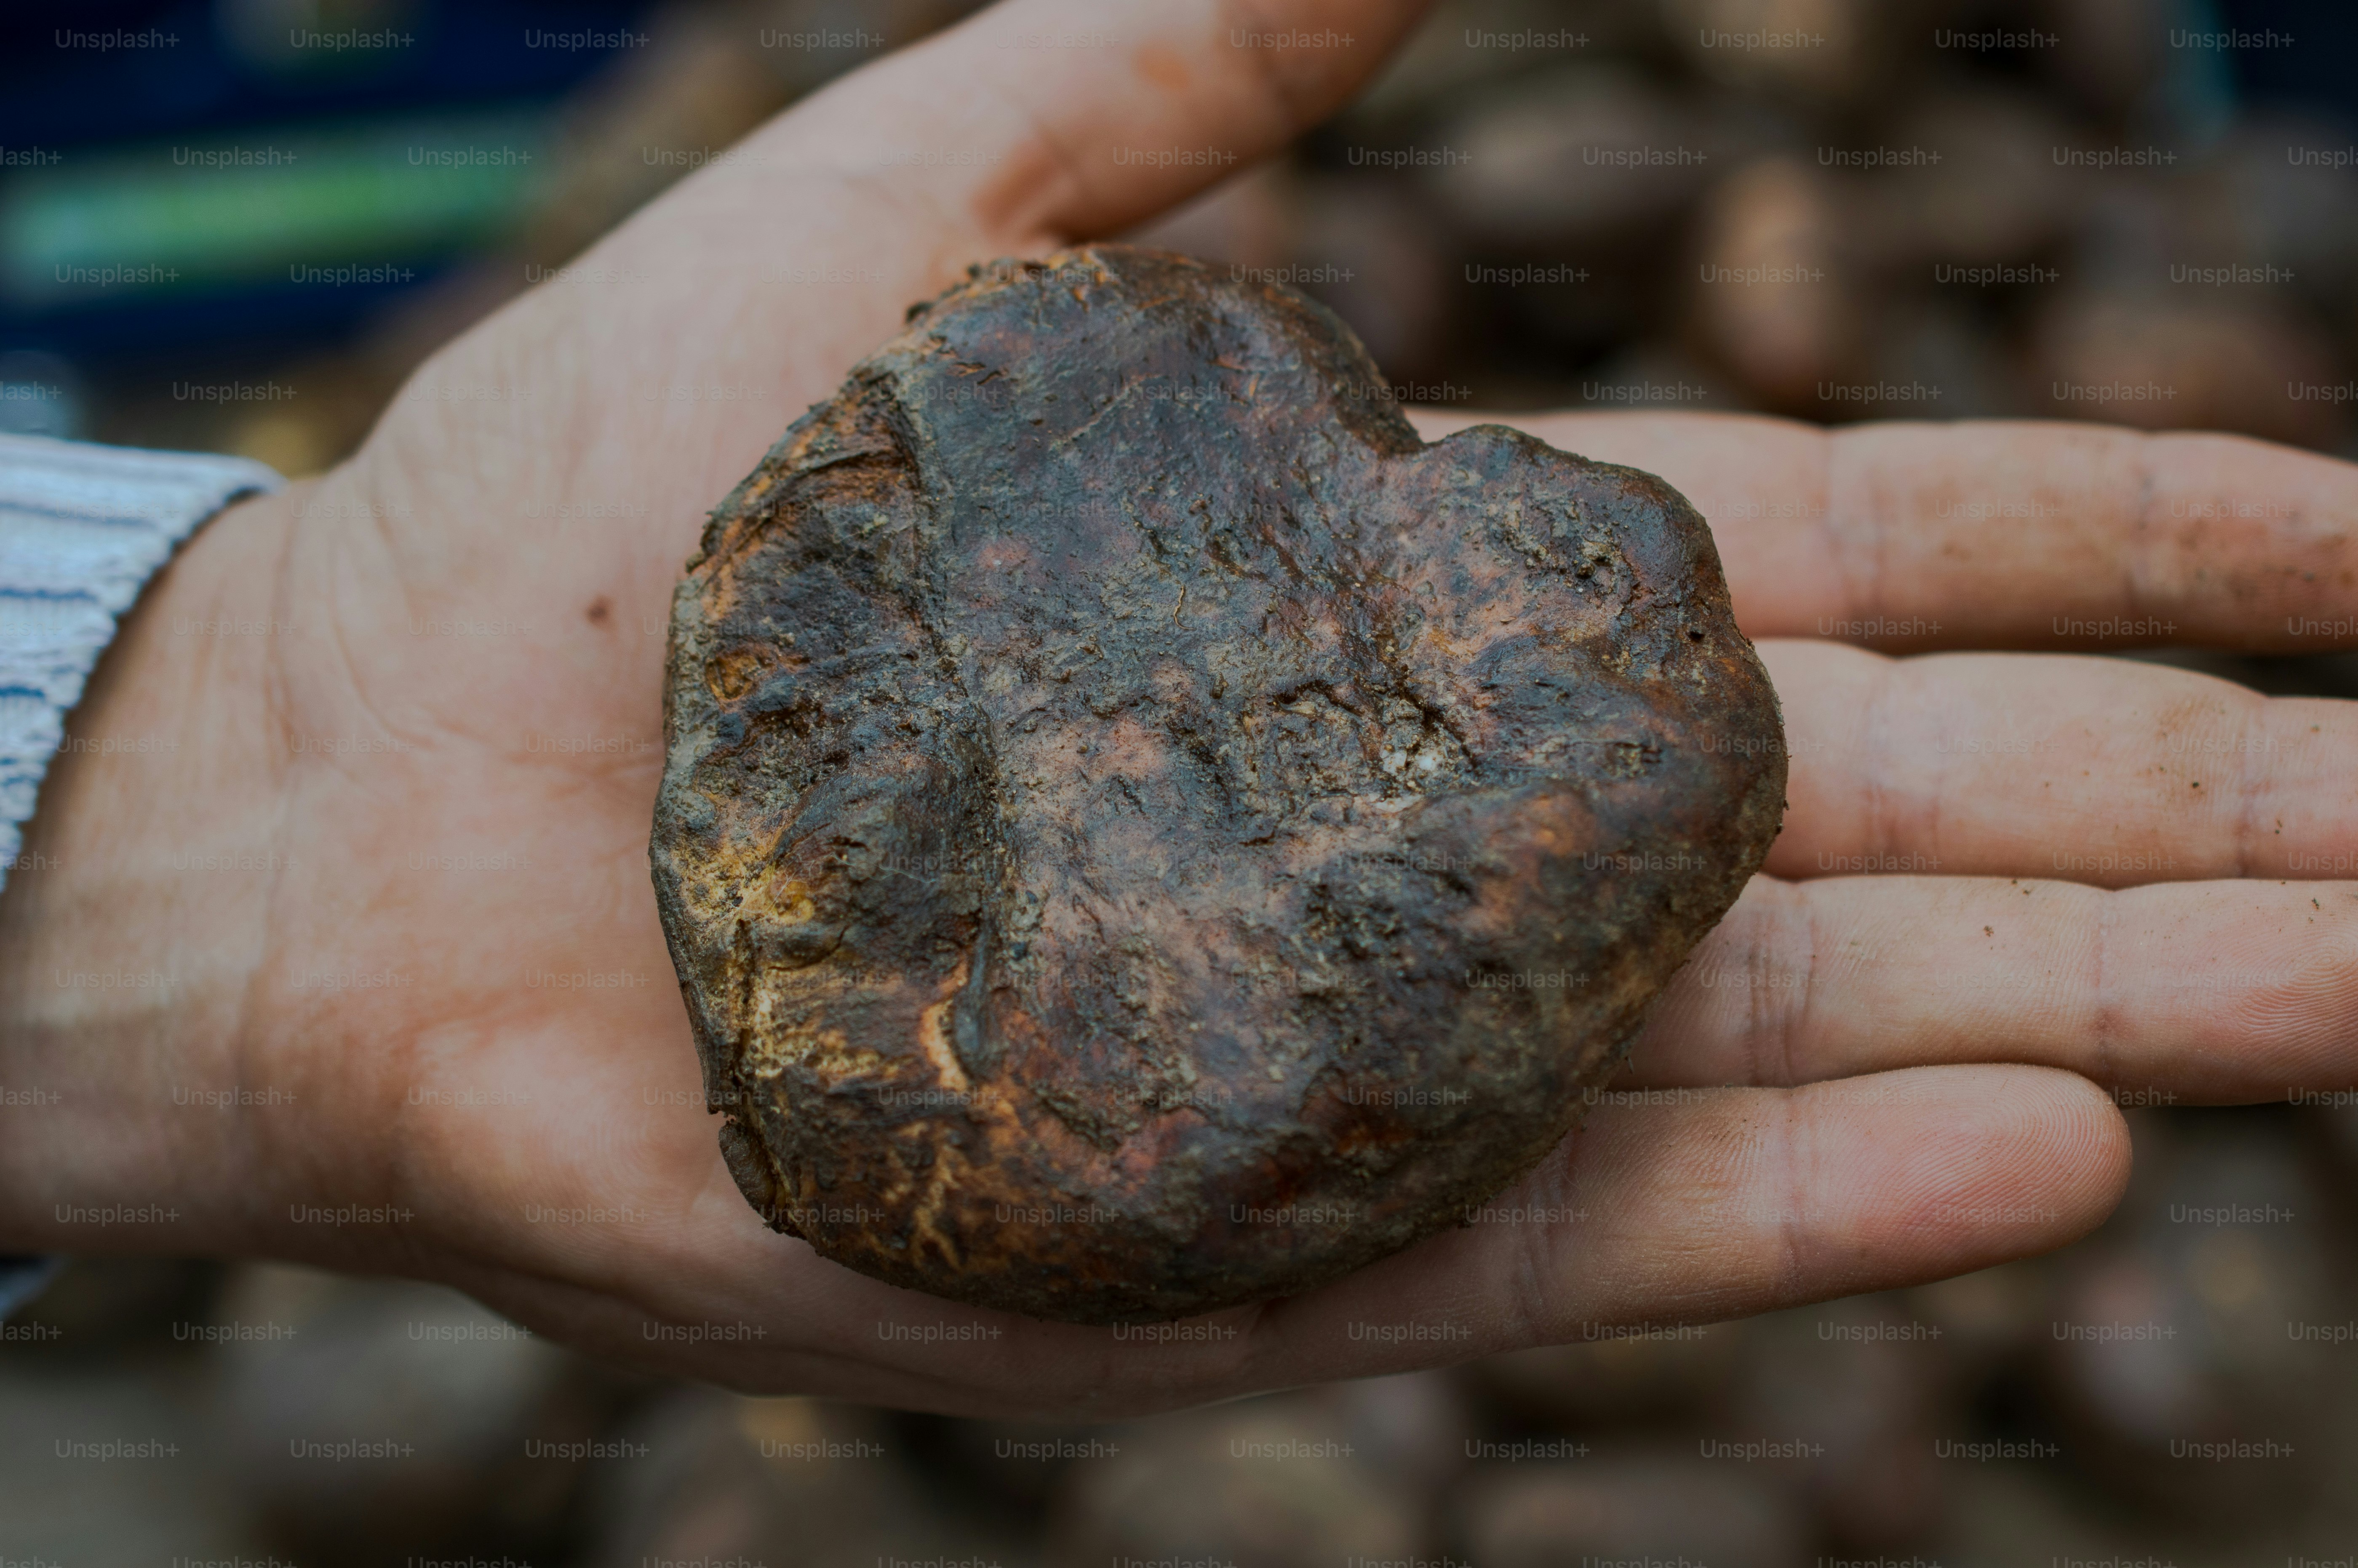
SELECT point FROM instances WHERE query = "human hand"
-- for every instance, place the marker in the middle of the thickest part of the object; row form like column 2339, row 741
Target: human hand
column 431, row 783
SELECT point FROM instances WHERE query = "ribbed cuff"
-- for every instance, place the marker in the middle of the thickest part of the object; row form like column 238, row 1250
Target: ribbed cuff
column 81, row 530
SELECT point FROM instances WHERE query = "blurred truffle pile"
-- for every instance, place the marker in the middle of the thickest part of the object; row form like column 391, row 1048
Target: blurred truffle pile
column 1834, row 210
column 1829, row 209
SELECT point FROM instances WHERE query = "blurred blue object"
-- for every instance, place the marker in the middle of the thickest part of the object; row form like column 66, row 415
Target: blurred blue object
column 109, row 70
column 177, row 174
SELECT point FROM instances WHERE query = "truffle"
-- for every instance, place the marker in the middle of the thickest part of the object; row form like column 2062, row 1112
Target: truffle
column 1143, row 832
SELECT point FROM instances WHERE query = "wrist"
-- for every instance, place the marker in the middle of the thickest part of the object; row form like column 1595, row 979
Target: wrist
column 131, row 928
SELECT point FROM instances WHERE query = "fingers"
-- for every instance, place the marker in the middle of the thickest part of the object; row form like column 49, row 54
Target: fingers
column 2095, row 770
column 1731, row 1202
column 2191, row 993
column 2002, row 534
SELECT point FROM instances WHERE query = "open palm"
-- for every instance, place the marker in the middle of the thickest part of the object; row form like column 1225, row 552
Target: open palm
column 1995, row 866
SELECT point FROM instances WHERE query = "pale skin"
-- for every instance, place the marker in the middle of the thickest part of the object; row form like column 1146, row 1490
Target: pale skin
column 439, row 750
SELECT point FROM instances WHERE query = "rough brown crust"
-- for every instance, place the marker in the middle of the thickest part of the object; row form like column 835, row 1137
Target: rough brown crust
column 1143, row 833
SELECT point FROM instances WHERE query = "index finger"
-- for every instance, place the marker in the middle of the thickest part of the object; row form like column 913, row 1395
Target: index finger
column 2001, row 534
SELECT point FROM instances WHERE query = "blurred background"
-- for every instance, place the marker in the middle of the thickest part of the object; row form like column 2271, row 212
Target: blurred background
column 238, row 224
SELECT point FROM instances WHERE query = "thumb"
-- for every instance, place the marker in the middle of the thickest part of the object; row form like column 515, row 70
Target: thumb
column 763, row 277
column 1052, row 120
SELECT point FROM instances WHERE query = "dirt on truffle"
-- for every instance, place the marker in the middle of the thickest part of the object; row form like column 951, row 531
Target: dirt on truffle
column 1143, row 833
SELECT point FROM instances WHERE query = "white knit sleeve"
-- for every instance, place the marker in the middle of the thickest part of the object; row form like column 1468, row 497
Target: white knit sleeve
column 81, row 530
